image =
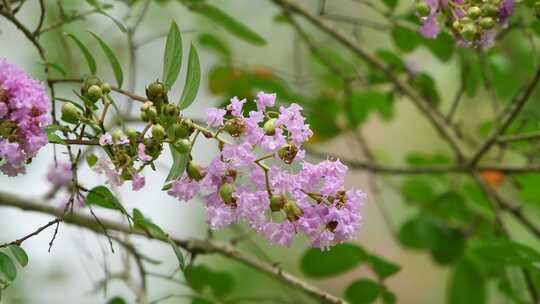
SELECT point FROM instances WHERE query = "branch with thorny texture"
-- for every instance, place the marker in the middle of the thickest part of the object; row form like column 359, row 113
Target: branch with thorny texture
column 191, row 245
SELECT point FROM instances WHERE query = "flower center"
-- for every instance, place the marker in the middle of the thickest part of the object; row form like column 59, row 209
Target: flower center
column 3, row 95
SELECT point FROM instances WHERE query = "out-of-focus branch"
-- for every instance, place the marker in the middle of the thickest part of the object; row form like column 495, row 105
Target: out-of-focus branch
column 434, row 116
column 508, row 116
column 191, row 245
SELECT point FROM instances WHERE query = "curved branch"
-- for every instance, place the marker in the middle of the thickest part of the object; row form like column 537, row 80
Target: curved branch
column 191, row 245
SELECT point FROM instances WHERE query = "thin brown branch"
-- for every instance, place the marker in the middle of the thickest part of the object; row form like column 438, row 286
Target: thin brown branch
column 191, row 245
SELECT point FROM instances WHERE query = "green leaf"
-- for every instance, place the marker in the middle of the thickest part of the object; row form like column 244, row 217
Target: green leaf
column 179, row 255
column 418, row 190
column 405, row 39
column 116, row 300
column 215, row 44
column 193, row 80
column 529, row 190
column 87, row 55
column 172, row 59
column 466, row 285
column 230, row 24
column 91, row 160
column 362, row 103
column 147, row 225
column 7, row 267
column 362, row 291
column 19, row 254
column 391, row 4
column 117, row 68
column 53, row 138
column 103, row 197
column 382, row 267
column 442, row 47
column 505, row 252
column 200, row 277
column 340, row 258
column 56, row 67
column 423, row 232
column 177, row 169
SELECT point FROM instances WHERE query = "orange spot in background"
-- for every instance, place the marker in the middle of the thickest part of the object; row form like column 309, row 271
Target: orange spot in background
column 263, row 71
column 492, row 177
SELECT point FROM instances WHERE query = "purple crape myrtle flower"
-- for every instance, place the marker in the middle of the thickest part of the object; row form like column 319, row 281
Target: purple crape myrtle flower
column 60, row 173
column 138, row 181
column 260, row 177
column 141, row 153
column 24, row 108
column 214, row 117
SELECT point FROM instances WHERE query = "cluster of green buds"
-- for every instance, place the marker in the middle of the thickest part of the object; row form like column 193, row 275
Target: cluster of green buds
column 92, row 90
column 280, row 202
column 479, row 17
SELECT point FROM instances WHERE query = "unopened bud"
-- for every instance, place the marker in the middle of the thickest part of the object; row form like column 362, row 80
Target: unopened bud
column 180, row 130
column 292, row 211
column 131, row 133
column 70, row 113
column 94, row 93
column 171, row 110
column 277, row 202
column 158, row 132
column 117, row 135
column 468, row 32
column 156, row 91
column 183, row 145
column 194, row 171
column 422, row 8
column 487, row 23
column 474, row 12
column 269, row 127
column 106, row 88
column 226, row 193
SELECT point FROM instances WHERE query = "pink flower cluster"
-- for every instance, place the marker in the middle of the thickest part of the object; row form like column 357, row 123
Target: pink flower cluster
column 473, row 23
column 24, row 115
column 261, row 177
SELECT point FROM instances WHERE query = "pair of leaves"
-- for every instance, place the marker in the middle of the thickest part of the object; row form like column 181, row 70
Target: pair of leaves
column 7, row 267
column 341, row 258
column 367, row 291
column 201, row 278
column 111, row 57
column 172, row 63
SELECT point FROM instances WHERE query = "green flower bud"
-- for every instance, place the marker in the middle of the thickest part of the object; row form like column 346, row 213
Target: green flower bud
column 172, row 110
column 277, row 202
column 487, row 23
column 70, row 113
column 94, row 93
column 183, row 145
column 226, row 193
column 490, row 11
column 468, row 32
column 181, row 130
column 269, row 127
column 131, row 133
column 88, row 82
column 144, row 117
column 106, row 88
column 474, row 12
column 292, row 211
column 465, row 20
column 152, row 113
column 422, row 8
column 158, row 132
column 456, row 25
column 146, row 106
column 116, row 135
column 194, row 171
column 156, row 91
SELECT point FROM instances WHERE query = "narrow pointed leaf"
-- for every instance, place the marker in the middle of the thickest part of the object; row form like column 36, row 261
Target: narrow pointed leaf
column 115, row 64
column 172, row 59
column 19, row 254
column 229, row 23
column 86, row 53
column 178, row 253
column 193, row 80
column 7, row 267
column 179, row 165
